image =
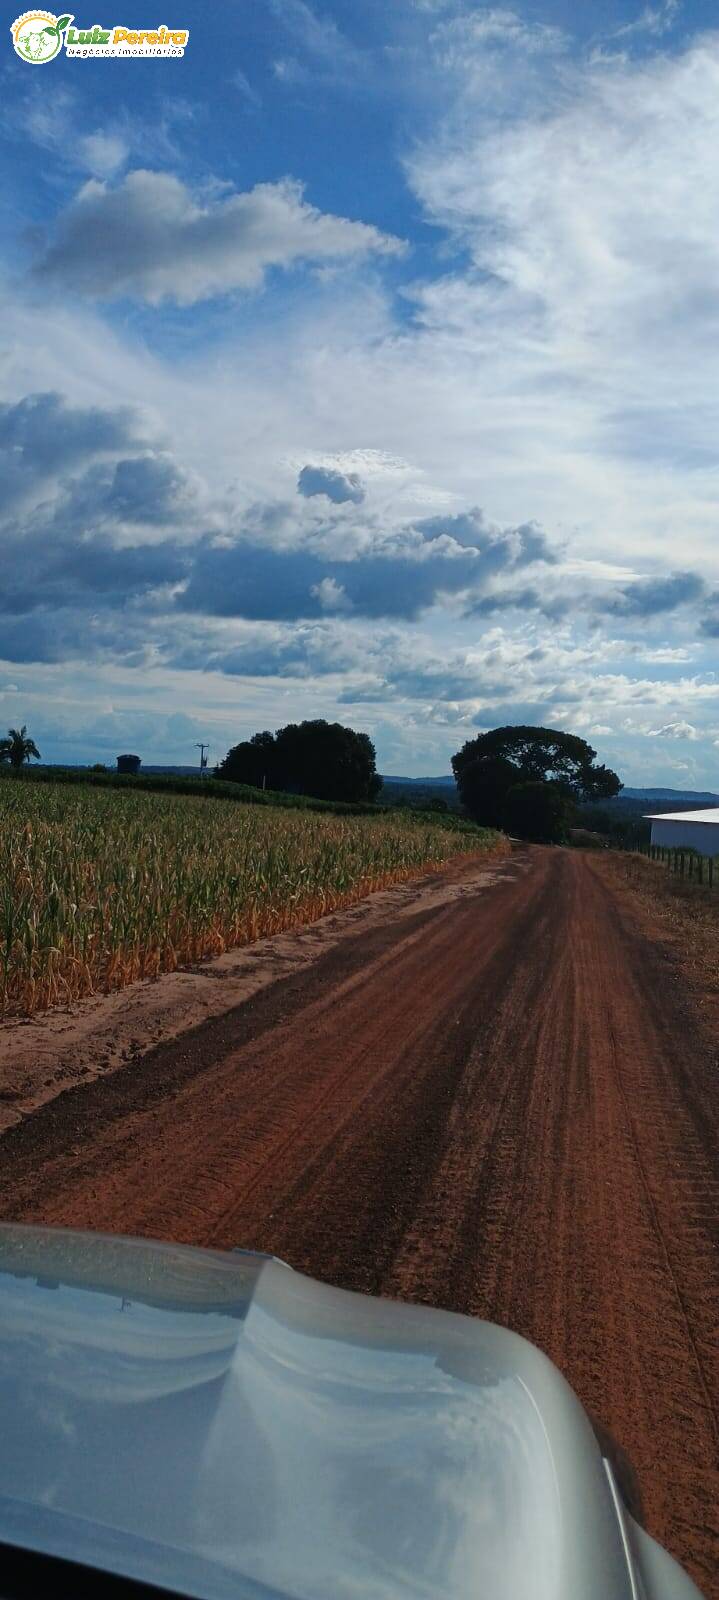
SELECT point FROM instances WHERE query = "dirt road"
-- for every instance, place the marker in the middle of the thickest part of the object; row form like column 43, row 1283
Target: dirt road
column 504, row 1105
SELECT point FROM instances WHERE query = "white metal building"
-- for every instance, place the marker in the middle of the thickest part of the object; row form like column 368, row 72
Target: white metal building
column 687, row 830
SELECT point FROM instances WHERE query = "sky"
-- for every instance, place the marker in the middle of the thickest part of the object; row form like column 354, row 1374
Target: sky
column 362, row 363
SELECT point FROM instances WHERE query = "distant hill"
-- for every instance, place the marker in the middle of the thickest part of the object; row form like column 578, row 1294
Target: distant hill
column 624, row 815
column 424, row 783
column 689, row 797
column 629, row 803
column 418, row 791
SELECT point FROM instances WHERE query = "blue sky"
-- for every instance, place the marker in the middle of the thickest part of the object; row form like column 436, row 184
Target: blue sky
column 361, row 364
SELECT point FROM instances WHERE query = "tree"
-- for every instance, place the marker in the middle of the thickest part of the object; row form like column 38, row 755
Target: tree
column 318, row 758
column 542, row 812
column 254, row 762
column 17, row 748
column 536, row 755
column 484, row 786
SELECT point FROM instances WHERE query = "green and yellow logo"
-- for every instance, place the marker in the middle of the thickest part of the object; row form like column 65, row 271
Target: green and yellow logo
column 38, row 36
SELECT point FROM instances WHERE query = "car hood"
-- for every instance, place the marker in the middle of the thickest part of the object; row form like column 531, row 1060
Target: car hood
column 219, row 1425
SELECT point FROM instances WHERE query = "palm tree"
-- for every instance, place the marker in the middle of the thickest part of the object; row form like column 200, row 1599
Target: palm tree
column 17, row 748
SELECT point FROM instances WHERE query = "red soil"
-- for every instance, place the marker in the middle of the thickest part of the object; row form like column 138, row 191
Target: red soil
column 505, row 1105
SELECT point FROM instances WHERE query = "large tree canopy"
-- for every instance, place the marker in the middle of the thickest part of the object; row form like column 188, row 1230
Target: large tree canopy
column 489, row 767
column 319, row 758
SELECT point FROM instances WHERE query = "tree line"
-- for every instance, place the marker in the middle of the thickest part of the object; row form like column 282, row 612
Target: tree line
column 527, row 781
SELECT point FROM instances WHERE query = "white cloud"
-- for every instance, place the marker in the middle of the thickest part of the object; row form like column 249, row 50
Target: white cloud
column 561, row 368
column 339, row 487
column 249, row 94
column 655, row 20
column 461, row 40
column 103, row 152
column 56, row 120
column 674, row 730
column 589, row 309
column 151, row 238
column 327, row 50
column 597, row 217
column 332, row 595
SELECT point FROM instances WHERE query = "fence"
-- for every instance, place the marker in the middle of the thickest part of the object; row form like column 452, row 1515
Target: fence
column 686, row 864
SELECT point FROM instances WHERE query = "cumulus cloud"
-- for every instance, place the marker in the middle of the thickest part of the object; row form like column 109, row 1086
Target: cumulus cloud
column 502, row 548
column 709, row 625
column 654, row 595
column 332, row 595
column 120, row 522
column 373, row 570
column 338, row 486
column 43, row 437
column 77, row 573
column 152, row 239
column 122, row 547
column 674, row 730
column 84, row 523
column 125, row 557
column 152, row 488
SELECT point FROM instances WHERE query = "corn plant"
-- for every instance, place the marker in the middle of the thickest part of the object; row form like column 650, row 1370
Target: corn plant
column 99, row 887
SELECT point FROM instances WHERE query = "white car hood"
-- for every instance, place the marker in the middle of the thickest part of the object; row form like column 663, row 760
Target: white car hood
column 221, row 1426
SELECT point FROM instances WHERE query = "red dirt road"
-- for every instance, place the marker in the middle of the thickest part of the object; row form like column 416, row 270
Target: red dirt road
column 504, row 1105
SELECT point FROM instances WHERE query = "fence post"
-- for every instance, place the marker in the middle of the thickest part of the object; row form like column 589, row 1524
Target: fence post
column 681, row 863
column 711, row 872
column 700, row 869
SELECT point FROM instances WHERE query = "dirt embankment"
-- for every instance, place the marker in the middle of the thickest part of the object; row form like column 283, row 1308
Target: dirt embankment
column 506, row 1103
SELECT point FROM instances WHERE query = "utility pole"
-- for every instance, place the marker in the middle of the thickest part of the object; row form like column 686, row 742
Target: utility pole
column 203, row 758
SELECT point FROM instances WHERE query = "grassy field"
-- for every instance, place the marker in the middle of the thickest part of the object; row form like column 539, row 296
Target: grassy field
column 100, row 887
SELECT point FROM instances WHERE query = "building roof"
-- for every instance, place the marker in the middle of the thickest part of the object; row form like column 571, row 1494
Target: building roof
column 710, row 815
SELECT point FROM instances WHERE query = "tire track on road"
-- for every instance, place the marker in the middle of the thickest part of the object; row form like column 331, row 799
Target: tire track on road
column 503, row 1106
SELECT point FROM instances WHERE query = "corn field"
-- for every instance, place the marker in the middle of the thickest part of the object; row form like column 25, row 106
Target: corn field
column 99, row 888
